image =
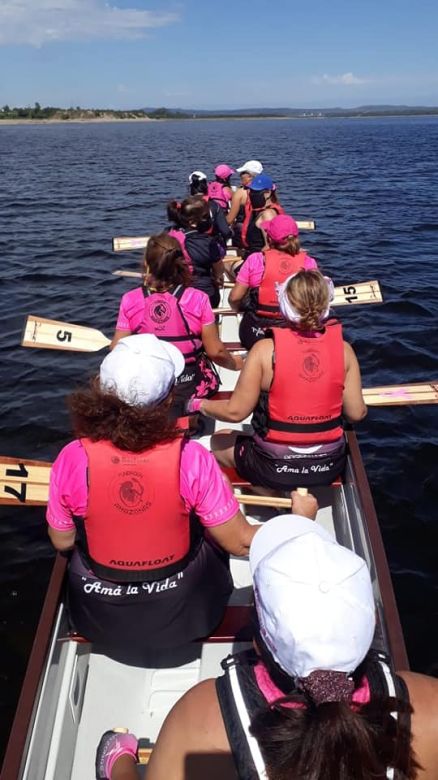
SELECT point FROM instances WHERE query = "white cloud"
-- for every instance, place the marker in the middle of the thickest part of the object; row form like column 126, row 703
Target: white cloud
column 347, row 79
column 35, row 22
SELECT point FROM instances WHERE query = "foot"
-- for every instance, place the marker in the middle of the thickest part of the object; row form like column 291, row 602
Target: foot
column 112, row 745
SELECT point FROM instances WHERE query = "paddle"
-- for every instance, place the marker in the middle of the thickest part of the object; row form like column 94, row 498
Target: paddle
column 126, row 243
column 26, row 482
column 361, row 292
column 53, row 334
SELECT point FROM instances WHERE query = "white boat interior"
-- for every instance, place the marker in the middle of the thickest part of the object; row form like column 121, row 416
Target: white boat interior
column 83, row 694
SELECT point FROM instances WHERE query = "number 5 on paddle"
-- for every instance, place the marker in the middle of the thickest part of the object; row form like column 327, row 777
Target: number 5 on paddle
column 52, row 334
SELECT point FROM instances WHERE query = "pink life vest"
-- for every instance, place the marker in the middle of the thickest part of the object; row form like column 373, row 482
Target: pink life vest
column 161, row 314
column 180, row 237
column 217, row 192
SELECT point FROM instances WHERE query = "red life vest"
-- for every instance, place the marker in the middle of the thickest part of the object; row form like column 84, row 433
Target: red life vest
column 217, row 192
column 304, row 403
column 249, row 227
column 160, row 313
column 136, row 526
column 278, row 267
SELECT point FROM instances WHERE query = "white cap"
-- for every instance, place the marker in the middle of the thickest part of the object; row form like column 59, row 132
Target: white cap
column 251, row 166
column 141, row 369
column 314, row 598
column 198, row 175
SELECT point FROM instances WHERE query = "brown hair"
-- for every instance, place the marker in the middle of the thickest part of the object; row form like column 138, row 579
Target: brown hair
column 191, row 211
column 290, row 245
column 164, row 263
column 99, row 415
column 308, row 293
column 330, row 741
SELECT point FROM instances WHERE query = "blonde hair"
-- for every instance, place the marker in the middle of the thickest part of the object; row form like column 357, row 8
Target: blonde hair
column 308, row 293
column 290, row 245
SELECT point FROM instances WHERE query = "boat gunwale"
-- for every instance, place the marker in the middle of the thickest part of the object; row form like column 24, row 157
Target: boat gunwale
column 27, row 701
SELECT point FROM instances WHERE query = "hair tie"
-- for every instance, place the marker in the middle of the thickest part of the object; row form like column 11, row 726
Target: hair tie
column 322, row 686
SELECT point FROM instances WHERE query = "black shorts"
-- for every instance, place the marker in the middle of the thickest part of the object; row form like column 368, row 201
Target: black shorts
column 285, row 474
column 131, row 621
column 253, row 328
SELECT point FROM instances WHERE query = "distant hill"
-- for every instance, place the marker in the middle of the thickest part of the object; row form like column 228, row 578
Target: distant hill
column 378, row 110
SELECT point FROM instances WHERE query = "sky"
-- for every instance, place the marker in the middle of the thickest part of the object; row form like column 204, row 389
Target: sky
column 214, row 54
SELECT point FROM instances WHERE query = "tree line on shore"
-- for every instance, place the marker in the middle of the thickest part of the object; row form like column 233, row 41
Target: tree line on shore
column 57, row 113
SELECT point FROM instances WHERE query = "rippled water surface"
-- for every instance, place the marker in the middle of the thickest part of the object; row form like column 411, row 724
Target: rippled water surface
column 372, row 187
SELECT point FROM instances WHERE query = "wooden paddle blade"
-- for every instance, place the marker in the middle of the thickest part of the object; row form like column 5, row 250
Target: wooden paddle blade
column 127, row 243
column 130, row 274
column 24, row 482
column 52, row 334
column 402, row 395
column 361, row 292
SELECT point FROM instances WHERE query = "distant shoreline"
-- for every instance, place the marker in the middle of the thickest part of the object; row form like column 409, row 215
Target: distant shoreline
column 131, row 120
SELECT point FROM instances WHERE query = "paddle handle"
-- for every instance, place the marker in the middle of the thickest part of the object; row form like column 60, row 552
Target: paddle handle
column 302, row 491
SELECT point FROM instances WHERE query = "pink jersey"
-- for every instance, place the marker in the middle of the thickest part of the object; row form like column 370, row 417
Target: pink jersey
column 203, row 487
column 195, row 305
column 251, row 272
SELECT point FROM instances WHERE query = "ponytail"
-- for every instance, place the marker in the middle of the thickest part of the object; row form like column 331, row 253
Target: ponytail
column 165, row 263
column 174, row 212
column 289, row 245
column 331, row 740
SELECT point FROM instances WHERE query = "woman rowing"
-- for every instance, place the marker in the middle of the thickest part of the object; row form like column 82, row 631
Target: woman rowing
column 262, row 272
column 220, row 190
column 193, row 226
column 261, row 206
column 236, row 213
column 313, row 700
column 198, row 185
column 298, row 383
column 149, row 514
column 169, row 307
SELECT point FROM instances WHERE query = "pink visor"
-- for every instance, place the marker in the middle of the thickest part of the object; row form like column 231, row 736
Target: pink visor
column 223, row 171
column 280, row 227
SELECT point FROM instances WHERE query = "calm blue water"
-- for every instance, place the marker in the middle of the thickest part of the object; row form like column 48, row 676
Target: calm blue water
column 371, row 186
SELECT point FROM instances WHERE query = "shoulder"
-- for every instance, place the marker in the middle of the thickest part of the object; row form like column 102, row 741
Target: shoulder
column 423, row 696
column 195, row 299
column 73, row 454
column 196, row 457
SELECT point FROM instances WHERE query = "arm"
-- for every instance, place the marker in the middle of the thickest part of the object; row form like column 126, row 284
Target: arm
column 353, row 405
column 247, row 391
column 62, row 540
column 119, row 334
column 423, row 695
column 218, row 270
column 221, row 224
column 234, row 536
column 237, row 201
column 216, row 349
column 237, row 294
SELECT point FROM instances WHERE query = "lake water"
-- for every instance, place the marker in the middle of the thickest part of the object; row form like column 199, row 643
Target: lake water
column 372, row 188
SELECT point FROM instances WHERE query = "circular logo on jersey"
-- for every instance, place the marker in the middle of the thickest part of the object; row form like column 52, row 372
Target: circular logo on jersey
column 129, row 494
column 115, row 459
column 285, row 266
column 311, row 367
column 160, row 312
